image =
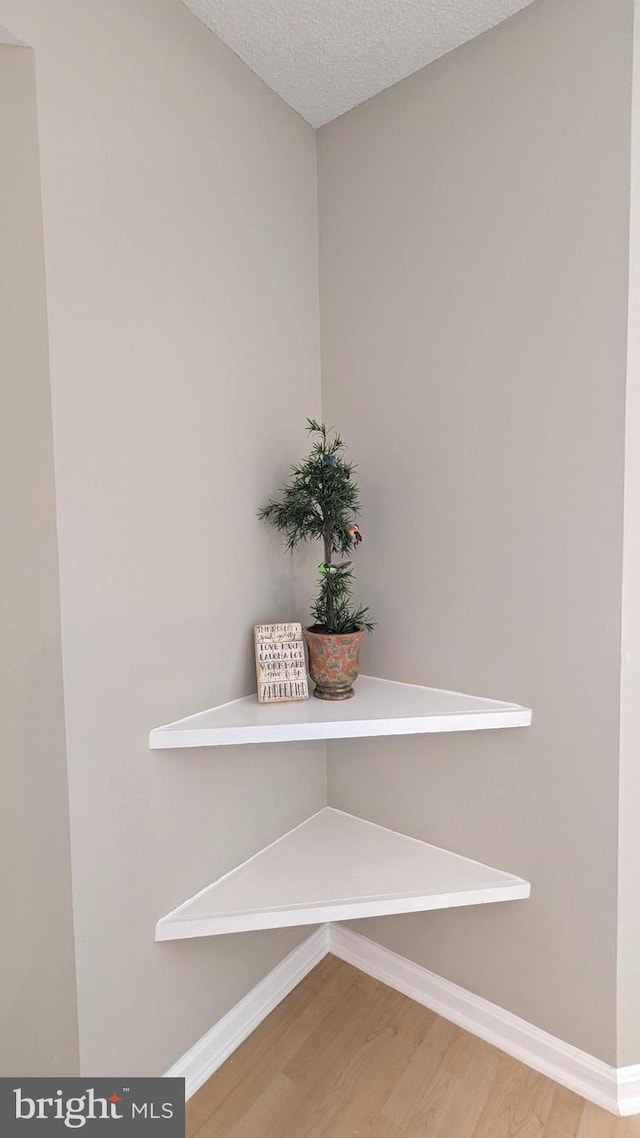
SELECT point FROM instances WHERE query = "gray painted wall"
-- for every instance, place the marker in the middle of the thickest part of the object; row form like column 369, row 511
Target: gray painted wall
column 474, row 261
column 39, row 1033
column 629, row 851
column 181, row 246
column 474, row 249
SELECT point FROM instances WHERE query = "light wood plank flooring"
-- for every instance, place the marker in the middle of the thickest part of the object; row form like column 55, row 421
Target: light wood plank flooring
column 346, row 1057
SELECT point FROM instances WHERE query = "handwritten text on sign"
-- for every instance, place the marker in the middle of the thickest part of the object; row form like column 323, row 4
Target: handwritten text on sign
column 280, row 663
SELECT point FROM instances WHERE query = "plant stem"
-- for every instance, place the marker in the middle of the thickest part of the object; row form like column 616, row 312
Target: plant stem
column 331, row 616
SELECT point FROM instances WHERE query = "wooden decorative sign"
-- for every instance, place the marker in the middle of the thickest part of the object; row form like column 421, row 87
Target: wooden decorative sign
column 280, row 663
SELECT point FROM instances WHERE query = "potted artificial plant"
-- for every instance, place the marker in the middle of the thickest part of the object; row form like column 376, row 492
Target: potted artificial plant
column 319, row 503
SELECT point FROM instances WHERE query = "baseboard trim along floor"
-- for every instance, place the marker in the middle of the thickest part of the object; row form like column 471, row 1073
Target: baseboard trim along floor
column 615, row 1089
column 210, row 1052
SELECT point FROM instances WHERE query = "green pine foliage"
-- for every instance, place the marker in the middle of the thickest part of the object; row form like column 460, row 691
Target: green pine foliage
column 319, row 503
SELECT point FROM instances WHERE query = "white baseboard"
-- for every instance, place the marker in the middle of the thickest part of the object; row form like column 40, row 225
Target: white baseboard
column 628, row 1080
column 201, row 1060
column 616, row 1090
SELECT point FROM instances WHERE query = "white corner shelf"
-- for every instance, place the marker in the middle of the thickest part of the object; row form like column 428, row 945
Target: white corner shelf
column 379, row 707
column 336, row 867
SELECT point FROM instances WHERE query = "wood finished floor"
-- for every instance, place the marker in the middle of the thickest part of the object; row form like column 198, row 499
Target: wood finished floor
column 345, row 1056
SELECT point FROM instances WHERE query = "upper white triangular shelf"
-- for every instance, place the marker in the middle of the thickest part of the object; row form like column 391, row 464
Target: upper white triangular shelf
column 379, row 707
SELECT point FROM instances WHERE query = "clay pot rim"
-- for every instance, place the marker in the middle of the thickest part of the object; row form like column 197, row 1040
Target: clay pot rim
column 318, row 630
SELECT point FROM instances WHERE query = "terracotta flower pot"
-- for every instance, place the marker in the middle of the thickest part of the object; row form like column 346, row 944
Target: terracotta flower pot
column 334, row 661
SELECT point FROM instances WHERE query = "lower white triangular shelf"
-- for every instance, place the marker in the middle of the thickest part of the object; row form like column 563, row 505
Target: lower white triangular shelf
column 336, row 867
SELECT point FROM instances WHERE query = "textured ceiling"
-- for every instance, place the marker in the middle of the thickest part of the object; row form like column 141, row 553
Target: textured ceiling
column 325, row 56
